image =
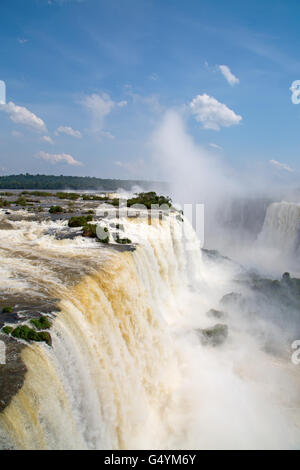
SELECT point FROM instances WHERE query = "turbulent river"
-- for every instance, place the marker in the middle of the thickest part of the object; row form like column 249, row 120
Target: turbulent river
column 127, row 368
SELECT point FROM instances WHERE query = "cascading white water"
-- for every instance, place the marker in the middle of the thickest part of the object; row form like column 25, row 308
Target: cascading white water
column 281, row 229
column 127, row 369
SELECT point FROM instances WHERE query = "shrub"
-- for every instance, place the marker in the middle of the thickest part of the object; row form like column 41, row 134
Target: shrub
column 123, row 241
column 55, row 209
column 7, row 310
column 149, row 199
column 42, row 323
column 28, row 334
column 104, row 240
column 46, row 337
column 89, row 230
column 70, row 196
column 7, row 330
column 4, row 203
column 21, row 201
column 38, row 193
column 80, row 221
column 24, row 332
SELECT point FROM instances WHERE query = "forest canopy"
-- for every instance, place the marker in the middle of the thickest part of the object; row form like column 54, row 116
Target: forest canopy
column 28, row 181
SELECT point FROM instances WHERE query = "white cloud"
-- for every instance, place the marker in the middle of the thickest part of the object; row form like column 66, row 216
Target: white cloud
column 22, row 41
column 57, row 158
column 281, row 166
column 215, row 146
column 229, row 76
column 100, row 106
column 69, row 131
column 47, row 139
column 213, row 114
column 21, row 115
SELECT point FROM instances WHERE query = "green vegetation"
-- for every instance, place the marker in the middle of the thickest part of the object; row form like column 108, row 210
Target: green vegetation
column 46, row 182
column 43, row 323
column 70, row 196
column 28, row 334
column 149, row 199
column 123, row 241
column 21, row 201
column 80, row 221
column 37, row 193
column 56, row 210
column 104, row 240
column 4, row 203
column 114, row 202
column 7, row 310
column 7, row 330
column 146, row 199
column 89, row 230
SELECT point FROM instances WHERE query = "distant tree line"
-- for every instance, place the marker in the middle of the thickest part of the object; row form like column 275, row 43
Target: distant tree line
column 28, row 181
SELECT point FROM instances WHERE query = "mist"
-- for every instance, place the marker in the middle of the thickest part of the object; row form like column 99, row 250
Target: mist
column 236, row 201
column 245, row 393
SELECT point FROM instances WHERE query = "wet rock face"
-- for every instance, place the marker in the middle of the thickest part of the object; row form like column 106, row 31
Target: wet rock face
column 214, row 336
column 213, row 313
column 12, row 373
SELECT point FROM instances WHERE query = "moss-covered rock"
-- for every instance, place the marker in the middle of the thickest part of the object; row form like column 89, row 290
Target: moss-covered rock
column 89, row 230
column 7, row 310
column 42, row 323
column 55, row 210
column 104, row 240
column 45, row 337
column 7, row 330
column 123, row 241
column 21, row 201
column 28, row 334
column 80, row 221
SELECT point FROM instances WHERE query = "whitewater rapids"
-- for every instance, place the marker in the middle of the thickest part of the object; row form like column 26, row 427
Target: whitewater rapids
column 127, row 369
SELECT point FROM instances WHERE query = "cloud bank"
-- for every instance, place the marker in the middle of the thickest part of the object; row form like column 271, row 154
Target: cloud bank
column 213, row 114
column 21, row 115
column 68, row 131
column 58, row 158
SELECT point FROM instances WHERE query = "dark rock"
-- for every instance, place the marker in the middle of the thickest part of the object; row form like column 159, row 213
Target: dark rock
column 12, row 373
column 216, row 313
column 214, row 336
column 233, row 297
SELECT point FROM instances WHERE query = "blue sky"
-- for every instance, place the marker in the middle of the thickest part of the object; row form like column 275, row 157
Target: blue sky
column 89, row 81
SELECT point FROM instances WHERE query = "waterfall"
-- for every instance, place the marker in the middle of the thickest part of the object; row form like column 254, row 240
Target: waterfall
column 126, row 369
column 110, row 376
column 281, row 229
